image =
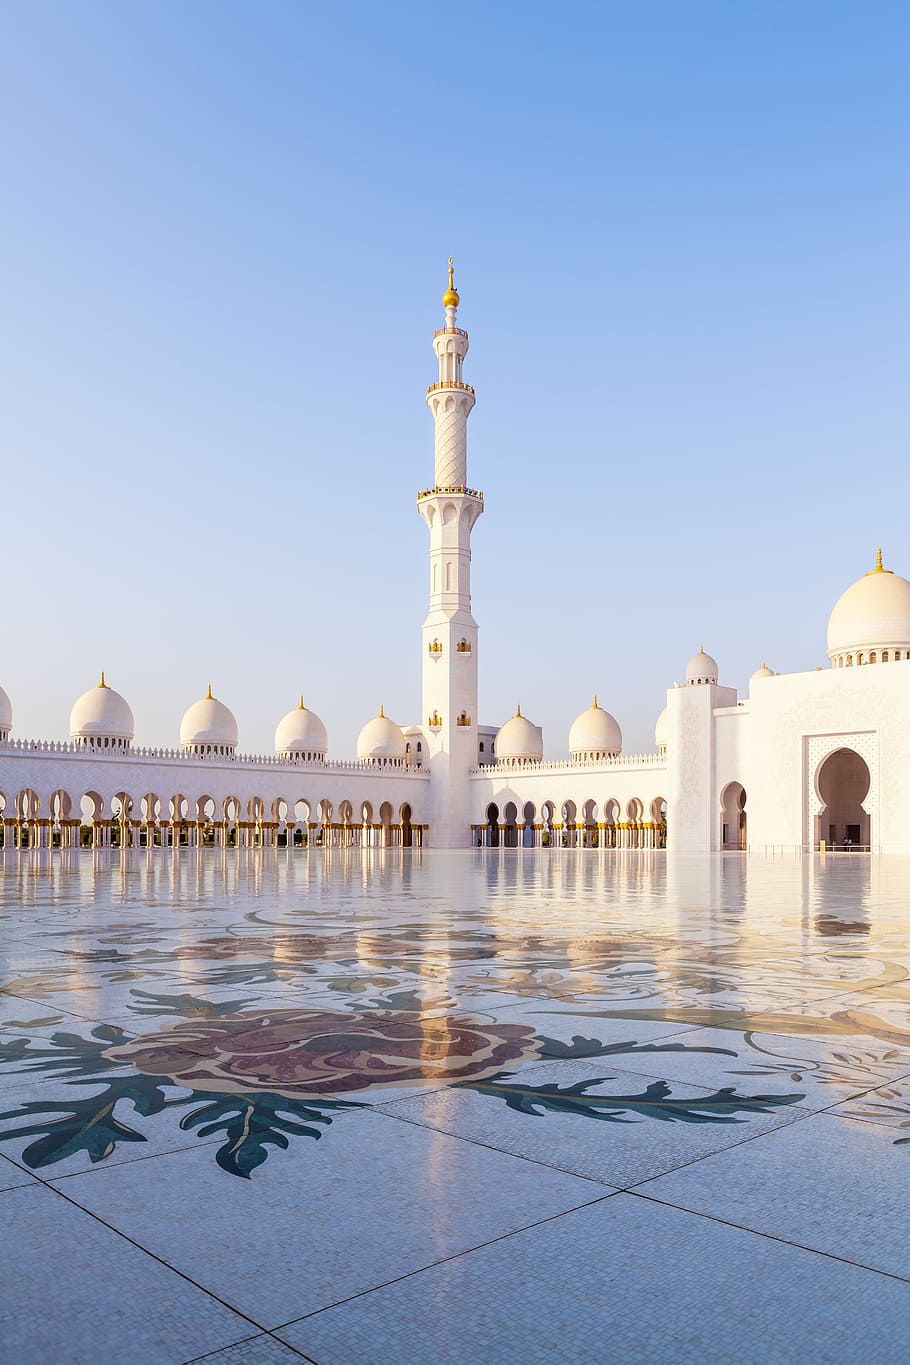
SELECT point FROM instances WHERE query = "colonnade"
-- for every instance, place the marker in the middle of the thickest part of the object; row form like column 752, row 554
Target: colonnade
column 45, row 833
column 645, row 834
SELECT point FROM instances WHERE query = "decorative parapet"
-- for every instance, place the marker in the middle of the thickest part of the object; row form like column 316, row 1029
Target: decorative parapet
column 451, row 384
column 624, row 762
column 441, row 489
column 449, row 332
column 62, row 748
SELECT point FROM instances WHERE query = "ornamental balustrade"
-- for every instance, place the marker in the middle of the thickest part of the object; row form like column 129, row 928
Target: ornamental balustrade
column 533, row 766
column 148, row 754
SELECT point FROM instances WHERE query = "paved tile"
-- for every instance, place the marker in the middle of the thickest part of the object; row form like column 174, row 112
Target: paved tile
column 834, row 1184
column 74, row 1292
column 12, row 1176
column 638, row 1140
column 260, row 1350
column 625, row 1280
column 374, row 1199
column 824, row 1071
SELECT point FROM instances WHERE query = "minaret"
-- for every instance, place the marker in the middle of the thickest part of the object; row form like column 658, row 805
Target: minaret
column 450, row 508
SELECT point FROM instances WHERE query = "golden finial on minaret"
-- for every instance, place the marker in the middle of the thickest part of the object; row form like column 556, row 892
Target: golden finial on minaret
column 102, row 682
column 450, row 298
column 208, row 695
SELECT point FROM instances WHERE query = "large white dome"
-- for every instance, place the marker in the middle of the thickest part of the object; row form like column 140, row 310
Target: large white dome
column 381, row 741
column 594, row 734
column 209, row 727
column 6, row 714
column 102, row 718
column 301, row 734
column 701, row 668
column 518, row 741
column 871, row 618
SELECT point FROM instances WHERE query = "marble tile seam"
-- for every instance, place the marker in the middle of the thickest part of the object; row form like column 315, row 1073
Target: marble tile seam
column 131, row 1241
column 638, row 1193
column 246, row 1341
column 445, row 1260
column 504, row 1151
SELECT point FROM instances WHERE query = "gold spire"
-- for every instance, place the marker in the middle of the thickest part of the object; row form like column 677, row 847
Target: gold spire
column 208, row 695
column 102, row 682
column 301, row 707
column 596, row 707
column 381, row 712
column 450, row 298
column 518, row 712
column 879, row 567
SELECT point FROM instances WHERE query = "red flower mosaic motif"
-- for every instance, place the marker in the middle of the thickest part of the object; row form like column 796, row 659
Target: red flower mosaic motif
column 327, row 1052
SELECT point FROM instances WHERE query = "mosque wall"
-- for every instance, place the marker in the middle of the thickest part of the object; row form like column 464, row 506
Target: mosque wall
column 798, row 720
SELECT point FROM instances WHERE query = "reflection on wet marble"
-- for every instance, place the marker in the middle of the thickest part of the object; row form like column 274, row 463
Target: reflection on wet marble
column 300, row 1077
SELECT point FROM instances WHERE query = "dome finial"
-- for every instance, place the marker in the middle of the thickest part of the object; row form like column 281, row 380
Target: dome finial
column 450, row 298
column 301, row 707
column 596, row 707
column 879, row 566
column 208, row 695
column 518, row 712
column 381, row 711
column 102, row 682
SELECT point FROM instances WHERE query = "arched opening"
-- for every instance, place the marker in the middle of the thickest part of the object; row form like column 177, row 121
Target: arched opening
column 492, row 825
column 548, row 821
column 733, row 816
column 569, row 817
column 659, row 821
column 529, row 832
column 385, row 821
column 510, row 823
column 843, row 782
column 407, row 832
column 611, row 822
column 591, row 832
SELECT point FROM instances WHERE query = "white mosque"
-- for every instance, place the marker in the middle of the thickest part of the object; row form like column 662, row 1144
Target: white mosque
column 808, row 761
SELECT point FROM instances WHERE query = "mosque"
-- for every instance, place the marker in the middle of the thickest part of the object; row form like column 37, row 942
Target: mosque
column 806, row 762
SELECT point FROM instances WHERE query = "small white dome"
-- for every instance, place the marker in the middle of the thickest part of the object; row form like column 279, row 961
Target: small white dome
column 209, row 725
column 102, row 714
column 518, row 741
column 873, row 614
column 381, row 741
column 662, row 730
column 6, row 714
column 301, row 732
column 763, row 672
column 701, row 668
column 594, row 734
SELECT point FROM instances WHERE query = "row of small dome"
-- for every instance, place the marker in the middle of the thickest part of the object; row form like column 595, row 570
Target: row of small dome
column 102, row 718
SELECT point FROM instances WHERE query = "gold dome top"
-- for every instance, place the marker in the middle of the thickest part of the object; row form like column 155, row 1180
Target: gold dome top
column 879, row 567
column 450, row 298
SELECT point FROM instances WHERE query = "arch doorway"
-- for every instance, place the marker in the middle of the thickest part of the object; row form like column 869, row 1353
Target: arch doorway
column 733, row 817
column 492, row 825
column 843, row 784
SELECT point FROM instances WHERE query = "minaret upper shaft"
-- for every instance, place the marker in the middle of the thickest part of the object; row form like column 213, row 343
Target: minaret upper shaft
column 451, row 399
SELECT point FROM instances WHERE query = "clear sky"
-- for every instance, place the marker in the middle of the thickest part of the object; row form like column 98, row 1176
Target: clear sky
column 682, row 244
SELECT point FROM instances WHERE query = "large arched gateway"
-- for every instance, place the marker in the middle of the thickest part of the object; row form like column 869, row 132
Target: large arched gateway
column 843, row 784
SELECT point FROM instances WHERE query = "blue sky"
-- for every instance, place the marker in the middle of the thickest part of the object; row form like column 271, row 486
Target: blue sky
column 681, row 234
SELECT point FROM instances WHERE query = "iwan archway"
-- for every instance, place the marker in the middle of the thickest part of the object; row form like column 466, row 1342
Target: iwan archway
column 842, row 783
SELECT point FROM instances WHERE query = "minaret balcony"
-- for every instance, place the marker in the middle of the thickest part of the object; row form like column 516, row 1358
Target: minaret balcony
column 449, row 332
column 452, row 384
column 435, row 648
column 443, row 488
column 463, row 647
column 463, row 719
column 435, row 721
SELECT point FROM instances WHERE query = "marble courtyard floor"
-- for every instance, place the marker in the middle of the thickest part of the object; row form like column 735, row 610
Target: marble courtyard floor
column 429, row 1107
